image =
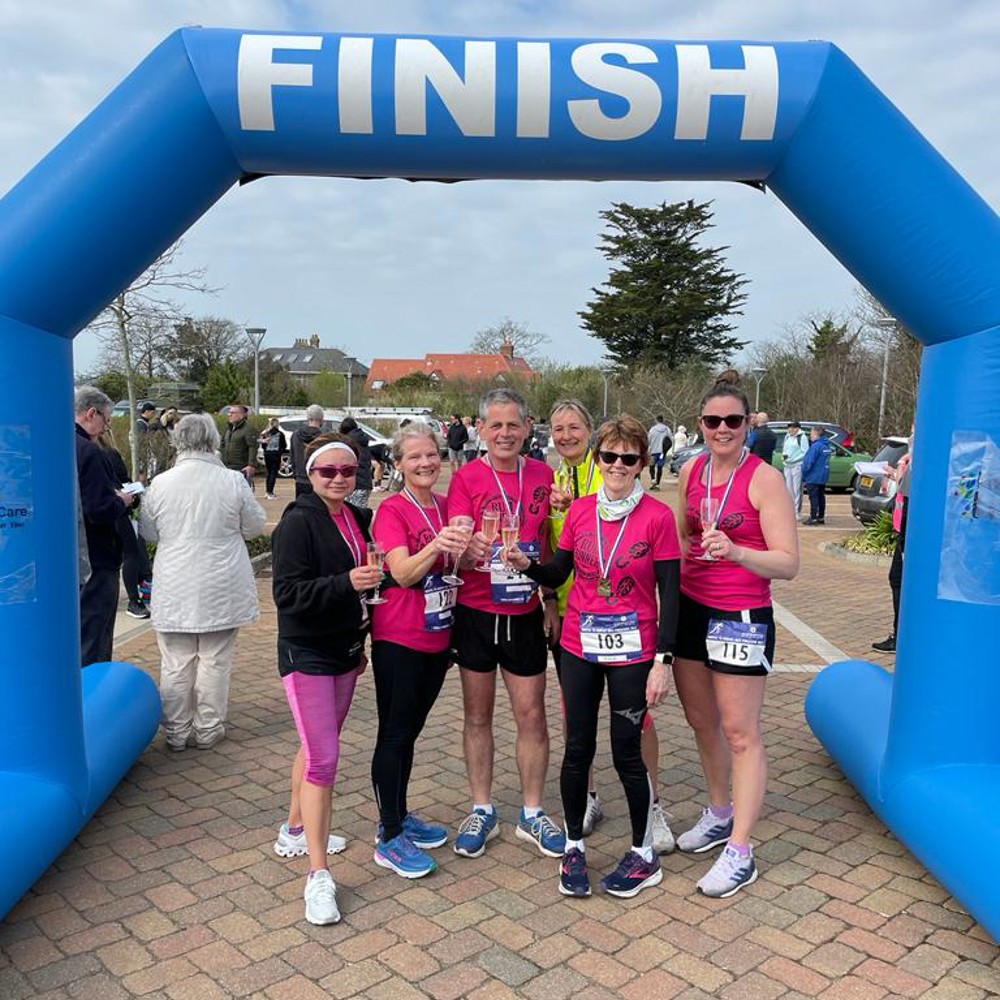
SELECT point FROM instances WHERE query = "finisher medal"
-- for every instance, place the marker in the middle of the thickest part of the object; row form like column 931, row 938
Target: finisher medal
column 603, row 587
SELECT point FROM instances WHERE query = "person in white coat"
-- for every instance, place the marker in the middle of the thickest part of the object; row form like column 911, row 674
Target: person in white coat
column 199, row 512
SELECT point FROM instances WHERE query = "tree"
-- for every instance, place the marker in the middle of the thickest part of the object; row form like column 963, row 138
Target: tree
column 329, row 389
column 195, row 346
column 526, row 343
column 131, row 325
column 668, row 299
column 226, row 383
column 831, row 339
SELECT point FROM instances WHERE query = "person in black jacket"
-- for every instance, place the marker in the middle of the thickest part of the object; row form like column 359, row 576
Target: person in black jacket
column 103, row 504
column 273, row 442
column 363, row 484
column 320, row 571
column 764, row 441
column 301, row 437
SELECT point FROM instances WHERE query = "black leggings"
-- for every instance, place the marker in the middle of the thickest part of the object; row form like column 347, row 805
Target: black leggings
column 407, row 683
column 896, row 567
column 135, row 559
column 583, row 691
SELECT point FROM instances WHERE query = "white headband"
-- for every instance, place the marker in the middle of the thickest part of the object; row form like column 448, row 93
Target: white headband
column 326, row 448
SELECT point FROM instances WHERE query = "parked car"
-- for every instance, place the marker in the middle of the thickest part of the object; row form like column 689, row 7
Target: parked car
column 290, row 424
column 836, row 433
column 876, row 488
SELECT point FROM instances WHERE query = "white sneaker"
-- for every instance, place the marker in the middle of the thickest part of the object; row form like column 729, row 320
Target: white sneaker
column 728, row 875
column 321, row 898
column 593, row 815
column 289, row 846
column 663, row 836
column 270, row 496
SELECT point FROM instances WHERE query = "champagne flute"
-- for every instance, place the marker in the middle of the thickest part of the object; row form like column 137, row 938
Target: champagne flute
column 490, row 527
column 376, row 557
column 709, row 511
column 466, row 524
column 560, row 483
column 510, row 534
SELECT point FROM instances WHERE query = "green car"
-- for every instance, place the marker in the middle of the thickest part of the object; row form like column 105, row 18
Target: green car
column 842, row 474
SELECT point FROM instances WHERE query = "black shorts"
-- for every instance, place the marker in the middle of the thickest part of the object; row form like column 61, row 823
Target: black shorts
column 692, row 629
column 481, row 641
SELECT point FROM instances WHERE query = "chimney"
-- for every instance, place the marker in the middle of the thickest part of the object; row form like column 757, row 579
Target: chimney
column 507, row 350
column 314, row 340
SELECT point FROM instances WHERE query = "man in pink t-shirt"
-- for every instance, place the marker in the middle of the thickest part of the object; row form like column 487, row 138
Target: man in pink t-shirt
column 499, row 621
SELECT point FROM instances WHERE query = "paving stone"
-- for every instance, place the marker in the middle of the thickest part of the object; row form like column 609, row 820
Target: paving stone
column 507, row 966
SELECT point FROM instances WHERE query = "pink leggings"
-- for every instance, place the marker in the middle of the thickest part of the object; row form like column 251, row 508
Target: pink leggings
column 320, row 704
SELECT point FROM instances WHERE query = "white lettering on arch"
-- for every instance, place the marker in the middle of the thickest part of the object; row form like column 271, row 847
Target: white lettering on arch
column 471, row 101
column 354, row 85
column 698, row 83
column 640, row 91
column 534, row 89
column 257, row 73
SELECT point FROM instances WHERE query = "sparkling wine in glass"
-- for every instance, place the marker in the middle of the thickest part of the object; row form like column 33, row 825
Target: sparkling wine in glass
column 560, row 483
column 376, row 557
column 466, row 524
column 709, row 511
column 490, row 527
column 510, row 533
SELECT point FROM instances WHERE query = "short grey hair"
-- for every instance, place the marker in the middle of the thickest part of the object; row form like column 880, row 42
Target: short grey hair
column 196, row 432
column 89, row 397
column 576, row 406
column 414, row 429
column 503, row 397
column 315, row 413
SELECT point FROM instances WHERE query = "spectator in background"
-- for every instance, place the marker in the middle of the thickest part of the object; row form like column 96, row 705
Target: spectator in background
column 660, row 442
column 239, row 444
column 457, row 435
column 680, row 438
column 752, row 436
column 199, row 514
column 103, row 504
column 765, row 440
column 301, row 437
column 144, row 423
column 472, row 442
column 363, row 478
column 793, row 451
column 273, row 442
column 816, row 474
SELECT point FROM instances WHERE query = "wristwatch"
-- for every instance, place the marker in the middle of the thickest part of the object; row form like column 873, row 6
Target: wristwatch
column 667, row 659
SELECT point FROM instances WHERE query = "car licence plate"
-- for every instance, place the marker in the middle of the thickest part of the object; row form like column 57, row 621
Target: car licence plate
column 866, row 481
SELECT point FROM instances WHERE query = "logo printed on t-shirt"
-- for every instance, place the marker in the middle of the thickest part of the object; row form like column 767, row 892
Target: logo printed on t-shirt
column 539, row 497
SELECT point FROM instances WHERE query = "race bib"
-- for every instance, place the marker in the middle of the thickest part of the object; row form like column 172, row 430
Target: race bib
column 507, row 586
column 610, row 638
column 737, row 644
column 439, row 603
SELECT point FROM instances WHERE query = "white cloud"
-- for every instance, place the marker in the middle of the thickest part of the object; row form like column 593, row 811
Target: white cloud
column 387, row 267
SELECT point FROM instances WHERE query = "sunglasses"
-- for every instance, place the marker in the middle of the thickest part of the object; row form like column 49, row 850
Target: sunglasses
column 731, row 420
column 628, row 459
column 332, row 471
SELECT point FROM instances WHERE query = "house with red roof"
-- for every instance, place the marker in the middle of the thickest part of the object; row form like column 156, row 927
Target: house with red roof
column 450, row 367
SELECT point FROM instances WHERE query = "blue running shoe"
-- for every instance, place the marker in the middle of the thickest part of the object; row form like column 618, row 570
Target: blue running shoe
column 708, row 832
column 422, row 834
column 544, row 834
column 573, row 879
column 729, row 874
column 402, row 857
column 477, row 828
column 633, row 874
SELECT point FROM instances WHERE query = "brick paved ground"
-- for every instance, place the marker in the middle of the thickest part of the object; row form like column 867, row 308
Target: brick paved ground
column 173, row 890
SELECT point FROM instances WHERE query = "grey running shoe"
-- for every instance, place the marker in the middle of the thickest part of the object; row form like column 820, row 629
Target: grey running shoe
column 708, row 832
column 321, row 899
column 593, row 815
column 663, row 836
column 728, row 875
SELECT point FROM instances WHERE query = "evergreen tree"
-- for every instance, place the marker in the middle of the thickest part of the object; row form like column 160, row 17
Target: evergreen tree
column 831, row 340
column 668, row 299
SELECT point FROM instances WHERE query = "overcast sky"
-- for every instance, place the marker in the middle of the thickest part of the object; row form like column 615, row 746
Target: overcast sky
column 391, row 269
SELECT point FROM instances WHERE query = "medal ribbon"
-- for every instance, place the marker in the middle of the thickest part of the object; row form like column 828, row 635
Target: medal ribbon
column 605, row 568
column 423, row 513
column 729, row 485
column 591, row 469
column 352, row 543
column 503, row 494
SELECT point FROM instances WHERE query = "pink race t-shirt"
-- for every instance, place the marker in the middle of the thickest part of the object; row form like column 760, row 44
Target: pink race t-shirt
column 473, row 489
column 400, row 523
column 650, row 535
column 721, row 583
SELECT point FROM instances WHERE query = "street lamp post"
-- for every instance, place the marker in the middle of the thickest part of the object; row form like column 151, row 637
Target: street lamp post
column 888, row 324
column 349, row 375
column 607, row 376
column 256, row 336
column 758, row 374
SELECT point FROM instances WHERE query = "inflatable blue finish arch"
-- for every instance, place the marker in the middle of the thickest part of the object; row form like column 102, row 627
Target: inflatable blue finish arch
column 210, row 108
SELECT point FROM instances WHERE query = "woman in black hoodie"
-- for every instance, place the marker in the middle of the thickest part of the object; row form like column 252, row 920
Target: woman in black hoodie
column 319, row 552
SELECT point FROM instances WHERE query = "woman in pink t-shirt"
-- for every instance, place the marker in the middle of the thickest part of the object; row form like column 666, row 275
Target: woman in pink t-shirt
column 619, row 628
column 411, row 635
column 738, row 533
